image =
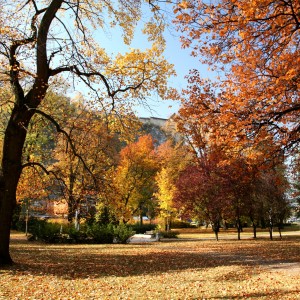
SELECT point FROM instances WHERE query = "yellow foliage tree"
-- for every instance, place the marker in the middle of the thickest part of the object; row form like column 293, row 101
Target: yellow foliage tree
column 134, row 179
column 173, row 159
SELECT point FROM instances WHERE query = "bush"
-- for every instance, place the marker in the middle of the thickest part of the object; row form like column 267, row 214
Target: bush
column 95, row 233
column 16, row 217
column 78, row 236
column 122, row 233
column 181, row 224
column 49, row 232
column 32, row 224
column 43, row 231
column 169, row 234
column 138, row 228
column 101, row 234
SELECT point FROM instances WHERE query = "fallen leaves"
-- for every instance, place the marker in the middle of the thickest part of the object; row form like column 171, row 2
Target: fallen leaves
column 199, row 269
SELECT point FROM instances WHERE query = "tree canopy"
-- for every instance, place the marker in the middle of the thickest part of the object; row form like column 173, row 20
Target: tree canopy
column 254, row 47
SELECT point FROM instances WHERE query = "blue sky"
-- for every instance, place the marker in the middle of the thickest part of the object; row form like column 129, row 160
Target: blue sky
column 112, row 41
column 179, row 57
column 182, row 62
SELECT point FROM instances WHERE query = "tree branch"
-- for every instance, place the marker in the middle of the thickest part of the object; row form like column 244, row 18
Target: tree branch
column 60, row 130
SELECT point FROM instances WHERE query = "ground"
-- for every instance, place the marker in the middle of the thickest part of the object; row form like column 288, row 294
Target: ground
column 192, row 267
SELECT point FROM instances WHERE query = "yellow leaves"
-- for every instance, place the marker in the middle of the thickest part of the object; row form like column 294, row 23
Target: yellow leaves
column 291, row 73
column 184, row 5
column 154, row 32
column 242, row 34
column 146, row 70
column 166, row 190
column 133, row 182
column 4, row 30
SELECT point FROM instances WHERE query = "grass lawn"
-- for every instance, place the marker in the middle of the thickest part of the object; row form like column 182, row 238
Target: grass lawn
column 192, row 267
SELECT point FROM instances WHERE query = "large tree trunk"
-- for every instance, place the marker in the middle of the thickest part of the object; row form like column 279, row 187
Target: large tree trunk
column 23, row 111
column 6, row 208
column 6, row 212
column 15, row 135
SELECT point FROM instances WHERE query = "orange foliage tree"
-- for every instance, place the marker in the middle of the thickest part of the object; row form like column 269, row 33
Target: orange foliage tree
column 98, row 139
column 228, row 174
column 254, row 46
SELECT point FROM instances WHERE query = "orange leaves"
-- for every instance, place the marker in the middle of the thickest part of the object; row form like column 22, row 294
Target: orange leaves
column 133, row 182
column 195, row 268
column 257, row 39
column 32, row 185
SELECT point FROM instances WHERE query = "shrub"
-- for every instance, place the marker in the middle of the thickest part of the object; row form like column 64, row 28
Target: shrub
column 16, row 217
column 95, row 233
column 181, row 224
column 49, row 232
column 105, row 215
column 41, row 230
column 138, row 228
column 33, row 224
column 122, row 233
column 169, row 234
column 78, row 236
column 101, row 234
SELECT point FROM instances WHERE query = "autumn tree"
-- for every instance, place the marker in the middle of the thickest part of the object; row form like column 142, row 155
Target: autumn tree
column 295, row 184
column 253, row 46
column 218, row 152
column 134, row 179
column 273, row 198
column 40, row 41
column 38, row 146
column 199, row 194
column 172, row 158
column 98, row 139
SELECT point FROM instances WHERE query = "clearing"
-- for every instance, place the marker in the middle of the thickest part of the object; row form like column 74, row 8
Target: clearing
column 191, row 267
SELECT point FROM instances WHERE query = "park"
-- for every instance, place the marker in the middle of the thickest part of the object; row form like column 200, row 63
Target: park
column 149, row 149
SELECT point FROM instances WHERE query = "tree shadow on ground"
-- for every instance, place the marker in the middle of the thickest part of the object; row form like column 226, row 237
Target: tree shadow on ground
column 266, row 295
column 95, row 261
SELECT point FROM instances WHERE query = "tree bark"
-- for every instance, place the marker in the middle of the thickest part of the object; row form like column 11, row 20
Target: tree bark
column 6, row 208
column 20, row 117
column 271, row 232
column 254, row 230
column 216, row 228
column 279, row 230
column 15, row 135
column 216, row 235
column 239, row 228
